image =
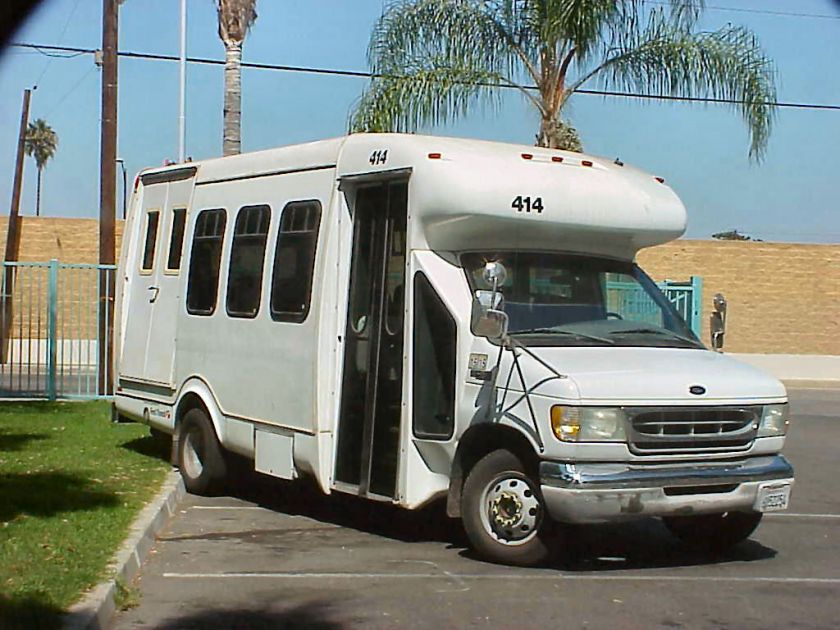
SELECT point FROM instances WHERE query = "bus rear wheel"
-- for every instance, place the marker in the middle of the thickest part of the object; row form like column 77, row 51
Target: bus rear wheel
column 503, row 512
column 200, row 458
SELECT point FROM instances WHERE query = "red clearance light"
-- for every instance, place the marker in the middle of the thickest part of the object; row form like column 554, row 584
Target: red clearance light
column 434, row 156
column 136, row 183
column 527, row 156
column 556, row 158
column 585, row 163
column 661, row 180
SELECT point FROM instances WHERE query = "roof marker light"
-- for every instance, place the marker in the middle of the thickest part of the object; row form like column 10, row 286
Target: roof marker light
column 556, row 158
column 527, row 156
column 661, row 180
column 585, row 163
column 434, row 156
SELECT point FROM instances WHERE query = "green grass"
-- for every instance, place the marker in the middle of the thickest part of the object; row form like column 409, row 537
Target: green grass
column 71, row 482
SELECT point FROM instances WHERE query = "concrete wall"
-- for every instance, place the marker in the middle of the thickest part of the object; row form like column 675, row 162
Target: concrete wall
column 783, row 298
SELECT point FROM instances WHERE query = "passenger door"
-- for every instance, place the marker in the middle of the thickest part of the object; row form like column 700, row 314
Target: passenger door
column 372, row 377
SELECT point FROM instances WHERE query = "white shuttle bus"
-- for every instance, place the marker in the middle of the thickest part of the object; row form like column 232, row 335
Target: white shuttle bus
column 409, row 318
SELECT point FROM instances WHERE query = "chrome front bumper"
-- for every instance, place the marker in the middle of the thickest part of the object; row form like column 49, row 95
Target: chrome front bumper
column 593, row 493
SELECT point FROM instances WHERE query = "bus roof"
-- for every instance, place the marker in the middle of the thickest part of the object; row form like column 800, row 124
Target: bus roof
column 472, row 194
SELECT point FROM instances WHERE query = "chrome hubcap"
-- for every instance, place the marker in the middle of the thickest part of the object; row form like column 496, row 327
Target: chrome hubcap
column 511, row 511
column 192, row 458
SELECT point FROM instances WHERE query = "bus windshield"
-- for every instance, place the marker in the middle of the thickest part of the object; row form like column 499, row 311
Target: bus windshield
column 556, row 299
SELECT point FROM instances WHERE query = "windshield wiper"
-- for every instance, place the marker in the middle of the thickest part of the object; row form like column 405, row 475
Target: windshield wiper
column 654, row 331
column 554, row 331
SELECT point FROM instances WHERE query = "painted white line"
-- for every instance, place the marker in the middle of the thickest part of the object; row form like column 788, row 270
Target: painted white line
column 795, row 515
column 227, row 507
column 293, row 575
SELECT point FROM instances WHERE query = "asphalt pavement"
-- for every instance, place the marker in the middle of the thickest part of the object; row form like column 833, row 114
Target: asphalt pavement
column 280, row 555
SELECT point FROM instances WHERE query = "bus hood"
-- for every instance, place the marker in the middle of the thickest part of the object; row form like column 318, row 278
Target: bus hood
column 636, row 376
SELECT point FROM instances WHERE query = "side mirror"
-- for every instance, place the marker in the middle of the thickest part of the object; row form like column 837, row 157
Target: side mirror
column 717, row 323
column 487, row 317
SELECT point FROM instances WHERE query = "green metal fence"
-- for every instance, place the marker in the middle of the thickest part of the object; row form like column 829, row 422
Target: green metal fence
column 687, row 298
column 53, row 327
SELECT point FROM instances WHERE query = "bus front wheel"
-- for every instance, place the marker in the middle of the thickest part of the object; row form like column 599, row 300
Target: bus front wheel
column 503, row 512
column 200, row 458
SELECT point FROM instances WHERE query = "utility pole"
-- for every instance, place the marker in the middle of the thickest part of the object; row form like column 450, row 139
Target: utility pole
column 13, row 234
column 107, row 194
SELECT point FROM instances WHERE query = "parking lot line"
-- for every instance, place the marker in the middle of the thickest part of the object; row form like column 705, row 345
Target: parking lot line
column 228, row 507
column 799, row 515
column 295, row 575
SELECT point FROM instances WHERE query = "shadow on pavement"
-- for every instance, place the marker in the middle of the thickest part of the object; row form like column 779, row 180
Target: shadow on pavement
column 304, row 498
column 48, row 493
column 315, row 615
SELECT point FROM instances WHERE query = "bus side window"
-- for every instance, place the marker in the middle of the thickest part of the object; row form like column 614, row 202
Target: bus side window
column 245, row 271
column 203, row 280
column 435, row 340
column 294, row 261
column 176, row 239
column 152, row 220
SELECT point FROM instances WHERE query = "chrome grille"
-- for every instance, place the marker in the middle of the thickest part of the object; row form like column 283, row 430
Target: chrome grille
column 672, row 430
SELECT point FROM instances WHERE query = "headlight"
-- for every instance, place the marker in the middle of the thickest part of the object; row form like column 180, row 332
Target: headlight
column 588, row 424
column 774, row 421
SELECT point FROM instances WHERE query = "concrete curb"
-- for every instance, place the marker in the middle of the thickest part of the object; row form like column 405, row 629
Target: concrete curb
column 98, row 606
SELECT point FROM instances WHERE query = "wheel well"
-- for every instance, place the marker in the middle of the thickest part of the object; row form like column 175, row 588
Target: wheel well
column 188, row 402
column 477, row 442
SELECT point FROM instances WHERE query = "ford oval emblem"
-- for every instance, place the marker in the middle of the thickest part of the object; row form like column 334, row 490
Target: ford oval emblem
column 697, row 390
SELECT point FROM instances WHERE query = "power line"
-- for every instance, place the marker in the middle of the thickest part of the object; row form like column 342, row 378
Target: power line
column 69, row 92
column 60, row 37
column 819, row 16
column 368, row 75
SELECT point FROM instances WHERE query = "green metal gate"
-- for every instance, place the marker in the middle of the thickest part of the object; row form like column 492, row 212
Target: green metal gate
column 53, row 327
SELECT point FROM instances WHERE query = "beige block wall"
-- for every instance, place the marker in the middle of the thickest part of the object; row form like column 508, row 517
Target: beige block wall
column 68, row 240
column 783, row 297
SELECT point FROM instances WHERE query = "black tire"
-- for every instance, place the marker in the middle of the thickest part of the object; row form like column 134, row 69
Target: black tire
column 200, row 457
column 490, row 539
column 713, row 532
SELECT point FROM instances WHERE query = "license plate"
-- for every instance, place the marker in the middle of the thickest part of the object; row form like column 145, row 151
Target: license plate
column 772, row 497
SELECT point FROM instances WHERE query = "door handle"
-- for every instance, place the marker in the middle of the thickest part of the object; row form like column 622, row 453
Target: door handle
column 154, row 295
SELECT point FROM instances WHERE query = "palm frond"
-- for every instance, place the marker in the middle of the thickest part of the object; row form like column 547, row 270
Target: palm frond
column 41, row 142
column 433, row 93
column 236, row 17
column 666, row 58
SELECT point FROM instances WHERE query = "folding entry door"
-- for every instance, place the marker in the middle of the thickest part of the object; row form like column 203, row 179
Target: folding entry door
column 371, row 396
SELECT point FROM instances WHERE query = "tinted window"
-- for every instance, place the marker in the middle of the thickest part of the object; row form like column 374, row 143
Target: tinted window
column 434, row 363
column 294, row 261
column 203, row 283
column 246, row 261
column 152, row 219
column 176, row 241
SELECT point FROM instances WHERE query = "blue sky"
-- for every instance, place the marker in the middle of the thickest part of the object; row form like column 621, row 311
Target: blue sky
column 700, row 150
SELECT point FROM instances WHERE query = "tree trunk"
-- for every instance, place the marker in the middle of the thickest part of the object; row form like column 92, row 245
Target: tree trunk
column 233, row 98
column 547, row 136
column 38, row 195
column 555, row 134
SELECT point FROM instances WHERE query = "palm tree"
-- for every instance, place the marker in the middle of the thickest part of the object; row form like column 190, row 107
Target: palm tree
column 235, row 20
column 41, row 143
column 433, row 60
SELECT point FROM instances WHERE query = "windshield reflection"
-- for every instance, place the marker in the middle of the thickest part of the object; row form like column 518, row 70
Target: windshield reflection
column 572, row 300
